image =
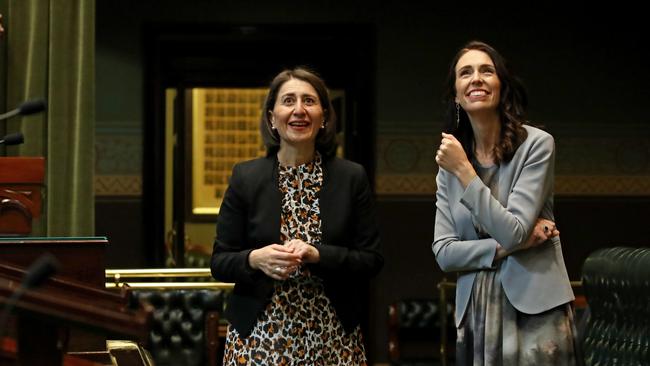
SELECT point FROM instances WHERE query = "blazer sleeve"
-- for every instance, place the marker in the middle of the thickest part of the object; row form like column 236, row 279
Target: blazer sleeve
column 361, row 256
column 453, row 254
column 229, row 261
column 510, row 226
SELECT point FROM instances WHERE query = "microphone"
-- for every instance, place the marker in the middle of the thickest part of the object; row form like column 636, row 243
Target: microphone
column 13, row 139
column 42, row 269
column 25, row 109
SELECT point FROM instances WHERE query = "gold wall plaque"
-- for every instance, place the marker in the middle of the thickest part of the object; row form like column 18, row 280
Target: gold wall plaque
column 225, row 131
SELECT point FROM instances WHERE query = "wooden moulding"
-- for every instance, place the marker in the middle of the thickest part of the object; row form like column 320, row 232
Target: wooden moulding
column 21, row 182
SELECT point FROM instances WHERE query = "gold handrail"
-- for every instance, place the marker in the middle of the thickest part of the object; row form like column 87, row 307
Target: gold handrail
column 173, row 285
column 158, row 272
column 118, row 275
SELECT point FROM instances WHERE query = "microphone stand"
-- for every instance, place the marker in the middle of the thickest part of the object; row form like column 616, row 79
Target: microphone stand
column 25, row 109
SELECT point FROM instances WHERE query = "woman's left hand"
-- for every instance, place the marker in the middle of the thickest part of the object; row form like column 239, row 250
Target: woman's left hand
column 308, row 253
column 451, row 157
column 542, row 231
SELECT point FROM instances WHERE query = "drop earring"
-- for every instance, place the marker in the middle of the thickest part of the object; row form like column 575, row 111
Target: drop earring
column 457, row 115
column 323, row 125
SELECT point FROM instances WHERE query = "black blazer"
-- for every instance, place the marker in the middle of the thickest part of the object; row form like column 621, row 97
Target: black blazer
column 249, row 218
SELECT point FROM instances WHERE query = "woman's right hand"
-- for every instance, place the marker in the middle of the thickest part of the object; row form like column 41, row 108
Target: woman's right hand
column 275, row 260
column 452, row 157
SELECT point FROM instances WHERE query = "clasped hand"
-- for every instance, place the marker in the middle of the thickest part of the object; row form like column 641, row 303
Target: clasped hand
column 544, row 230
column 280, row 261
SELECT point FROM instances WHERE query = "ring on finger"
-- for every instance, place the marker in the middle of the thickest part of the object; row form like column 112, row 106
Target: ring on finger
column 278, row 270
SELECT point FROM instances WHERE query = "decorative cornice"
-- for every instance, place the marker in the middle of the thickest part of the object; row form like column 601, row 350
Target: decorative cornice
column 584, row 185
column 118, row 185
column 403, row 184
column 603, row 185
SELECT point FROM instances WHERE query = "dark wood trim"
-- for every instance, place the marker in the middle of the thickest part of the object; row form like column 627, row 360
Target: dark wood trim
column 22, row 170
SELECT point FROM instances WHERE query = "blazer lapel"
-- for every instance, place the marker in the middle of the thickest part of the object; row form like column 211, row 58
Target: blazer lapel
column 269, row 205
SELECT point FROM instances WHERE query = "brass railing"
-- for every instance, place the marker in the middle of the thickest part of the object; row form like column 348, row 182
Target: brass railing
column 145, row 278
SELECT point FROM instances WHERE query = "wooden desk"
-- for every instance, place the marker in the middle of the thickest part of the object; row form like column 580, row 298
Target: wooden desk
column 44, row 315
column 72, row 311
column 21, row 182
column 82, row 259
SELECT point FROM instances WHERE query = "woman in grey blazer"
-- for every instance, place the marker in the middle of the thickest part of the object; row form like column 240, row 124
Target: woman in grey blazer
column 494, row 221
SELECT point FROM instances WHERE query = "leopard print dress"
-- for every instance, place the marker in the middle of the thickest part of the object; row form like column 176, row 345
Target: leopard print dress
column 299, row 326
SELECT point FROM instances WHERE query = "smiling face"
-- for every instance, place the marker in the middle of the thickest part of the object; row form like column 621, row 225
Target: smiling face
column 478, row 87
column 297, row 114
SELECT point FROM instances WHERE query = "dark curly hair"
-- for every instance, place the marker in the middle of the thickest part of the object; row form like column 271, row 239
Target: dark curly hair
column 326, row 138
column 512, row 107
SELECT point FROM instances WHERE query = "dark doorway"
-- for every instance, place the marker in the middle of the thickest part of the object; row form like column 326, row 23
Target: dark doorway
column 189, row 56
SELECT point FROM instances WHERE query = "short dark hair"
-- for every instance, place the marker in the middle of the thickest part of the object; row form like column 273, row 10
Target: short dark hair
column 512, row 106
column 326, row 138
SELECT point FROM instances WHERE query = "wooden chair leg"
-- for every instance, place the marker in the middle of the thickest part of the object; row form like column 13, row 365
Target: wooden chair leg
column 212, row 341
column 444, row 342
column 393, row 336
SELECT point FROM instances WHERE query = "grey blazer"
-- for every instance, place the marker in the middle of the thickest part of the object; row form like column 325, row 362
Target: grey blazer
column 534, row 280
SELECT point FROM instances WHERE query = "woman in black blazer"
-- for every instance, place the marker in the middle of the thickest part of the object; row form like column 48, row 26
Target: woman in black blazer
column 297, row 234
